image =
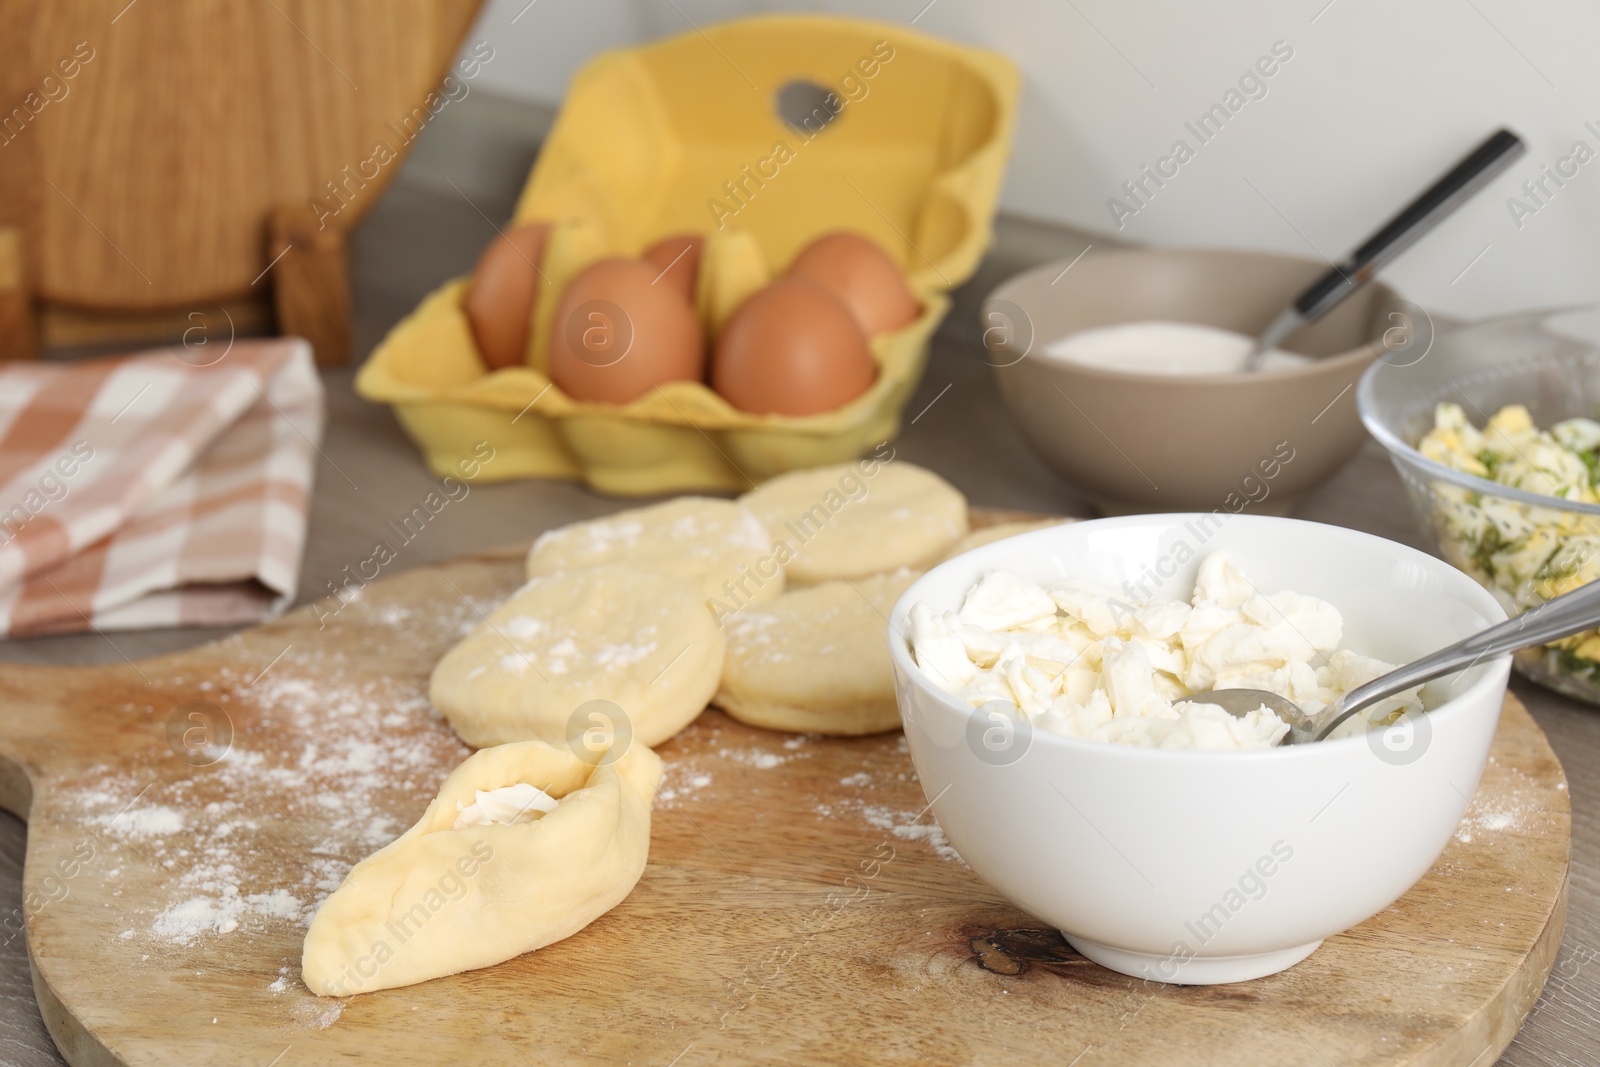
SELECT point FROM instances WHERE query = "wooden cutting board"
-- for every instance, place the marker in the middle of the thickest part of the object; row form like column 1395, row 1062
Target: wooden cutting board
column 799, row 906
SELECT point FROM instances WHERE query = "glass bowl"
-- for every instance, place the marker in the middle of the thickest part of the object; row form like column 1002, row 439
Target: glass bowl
column 1523, row 547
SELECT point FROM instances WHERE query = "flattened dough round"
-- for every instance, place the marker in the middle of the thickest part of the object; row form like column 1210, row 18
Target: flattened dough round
column 988, row 535
column 439, row 901
column 713, row 543
column 640, row 639
column 843, row 522
column 816, row 660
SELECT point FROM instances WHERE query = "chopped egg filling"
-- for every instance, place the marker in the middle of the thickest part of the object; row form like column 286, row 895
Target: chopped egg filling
column 506, row 806
column 1523, row 553
column 1082, row 661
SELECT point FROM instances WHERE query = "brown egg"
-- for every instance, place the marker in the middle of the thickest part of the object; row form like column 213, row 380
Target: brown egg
column 677, row 259
column 615, row 336
column 792, row 349
column 861, row 274
column 504, row 289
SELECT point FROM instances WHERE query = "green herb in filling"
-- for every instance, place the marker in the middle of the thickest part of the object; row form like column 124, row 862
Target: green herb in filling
column 1484, row 546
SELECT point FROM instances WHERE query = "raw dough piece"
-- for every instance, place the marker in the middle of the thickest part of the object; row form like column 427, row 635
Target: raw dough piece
column 816, row 660
column 844, row 522
column 640, row 639
column 438, row 900
column 988, row 535
column 717, row 544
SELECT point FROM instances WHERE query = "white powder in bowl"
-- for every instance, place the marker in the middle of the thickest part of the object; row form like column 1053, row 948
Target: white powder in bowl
column 1164, row 348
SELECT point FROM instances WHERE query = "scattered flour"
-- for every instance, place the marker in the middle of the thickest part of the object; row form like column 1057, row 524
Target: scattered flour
column 394, row 614
column 1509, row 810
column 145, row 822
column 318, row 1013
column 915, row 824
column 755, row 757
column 327, row 765
column 681, row 779
column 906, row 826
column 524, row 627
column 201, row 915
column 278, row 903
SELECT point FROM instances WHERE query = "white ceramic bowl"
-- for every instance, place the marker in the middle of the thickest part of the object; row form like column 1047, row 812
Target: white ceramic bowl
column 1204, row 867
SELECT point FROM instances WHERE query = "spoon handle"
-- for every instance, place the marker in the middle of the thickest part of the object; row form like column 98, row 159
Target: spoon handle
column 1430, row 208
column 1432, row 205
column 1558, row 617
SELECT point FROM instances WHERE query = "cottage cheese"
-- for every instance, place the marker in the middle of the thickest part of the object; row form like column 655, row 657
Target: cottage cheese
column 506, row 806
column 1082, row 661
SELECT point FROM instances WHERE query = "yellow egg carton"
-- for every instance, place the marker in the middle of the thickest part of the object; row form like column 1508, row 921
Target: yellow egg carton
column 762, row 134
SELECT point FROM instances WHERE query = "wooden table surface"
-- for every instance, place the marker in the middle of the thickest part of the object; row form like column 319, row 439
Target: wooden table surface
column 424, row 231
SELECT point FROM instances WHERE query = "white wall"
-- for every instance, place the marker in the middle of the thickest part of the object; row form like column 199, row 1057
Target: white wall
column 1377, row 100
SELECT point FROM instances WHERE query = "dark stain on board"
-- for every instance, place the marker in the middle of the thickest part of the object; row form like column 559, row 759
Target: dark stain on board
column 1016, row 951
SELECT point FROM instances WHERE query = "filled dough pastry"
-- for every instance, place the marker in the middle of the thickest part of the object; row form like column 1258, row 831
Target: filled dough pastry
column 721, row 547
column 859, row 519
column 526, row 844
column 816, row 660
column 641, row 639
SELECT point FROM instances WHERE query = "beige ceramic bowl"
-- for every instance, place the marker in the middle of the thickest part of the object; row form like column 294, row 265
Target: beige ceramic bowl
column 1144, row 443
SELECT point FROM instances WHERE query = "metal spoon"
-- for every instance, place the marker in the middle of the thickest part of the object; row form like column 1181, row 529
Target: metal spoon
column 1560, row 617
column 1415, row 219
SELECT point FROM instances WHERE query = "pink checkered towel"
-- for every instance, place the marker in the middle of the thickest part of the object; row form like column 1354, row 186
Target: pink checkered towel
column 146, row 491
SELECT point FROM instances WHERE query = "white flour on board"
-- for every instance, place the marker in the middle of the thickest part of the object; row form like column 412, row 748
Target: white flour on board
column 318, row 1014
column 145, row 822
column 680, row 779
column 759, row 759
column 912, row 824
column 1507, row 811
column 330, row 766
column 907, row 826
